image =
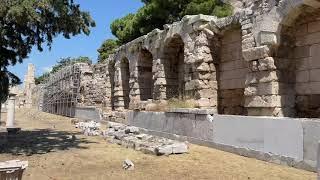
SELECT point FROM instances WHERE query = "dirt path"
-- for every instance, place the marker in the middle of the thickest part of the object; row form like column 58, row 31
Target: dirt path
column 45, row 142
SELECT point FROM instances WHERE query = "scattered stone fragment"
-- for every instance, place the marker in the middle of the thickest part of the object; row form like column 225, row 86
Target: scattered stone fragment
column 130, row 137
column 116, row 126
column 128, row 165
column 89, row 128
column 175, row 148
column 131, row 129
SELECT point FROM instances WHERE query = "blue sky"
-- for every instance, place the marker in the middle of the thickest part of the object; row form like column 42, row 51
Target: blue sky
column 103, row 12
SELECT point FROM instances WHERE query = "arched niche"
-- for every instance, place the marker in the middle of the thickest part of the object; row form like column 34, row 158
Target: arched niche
column 145, row 80
column 174, row 67
column 298, row 62
column 231, row 75
column 125, row 77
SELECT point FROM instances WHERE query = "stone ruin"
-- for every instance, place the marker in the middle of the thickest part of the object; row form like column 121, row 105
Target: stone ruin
column 24, row 94
column 261, row 61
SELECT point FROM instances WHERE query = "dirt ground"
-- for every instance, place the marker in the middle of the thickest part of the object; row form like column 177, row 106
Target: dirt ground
column 45, row 142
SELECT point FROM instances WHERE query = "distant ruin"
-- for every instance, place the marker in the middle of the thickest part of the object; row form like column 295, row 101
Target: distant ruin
column 24, row 94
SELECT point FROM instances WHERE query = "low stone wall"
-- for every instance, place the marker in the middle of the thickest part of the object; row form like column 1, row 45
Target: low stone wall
column 287, row 141
column 87, row 113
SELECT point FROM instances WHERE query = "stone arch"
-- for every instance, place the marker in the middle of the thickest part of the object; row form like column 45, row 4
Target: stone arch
column 145, row 79
column 268, row 31
column 125, row 77
column 173, row 63
column 231, row 73
column 298, row 64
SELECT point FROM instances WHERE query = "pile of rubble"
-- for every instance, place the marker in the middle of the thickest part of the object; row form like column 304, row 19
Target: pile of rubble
column 130, row 137
column 89, row 128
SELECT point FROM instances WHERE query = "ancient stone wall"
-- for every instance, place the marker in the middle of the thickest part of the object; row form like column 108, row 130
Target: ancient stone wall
column 232, row 74
column 29, row 84
column 93, row 87
column 231, row 65
column 300, row 47
column 263, row 61
column 269, row 35
column 177, row 62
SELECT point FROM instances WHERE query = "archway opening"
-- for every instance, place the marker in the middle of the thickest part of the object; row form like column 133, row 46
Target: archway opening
column 125, row 77
column 297, row 60
column 231, row 75
column 174, row 68
column 145, row 79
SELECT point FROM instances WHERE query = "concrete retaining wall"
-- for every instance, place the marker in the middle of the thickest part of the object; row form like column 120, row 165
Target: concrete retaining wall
column 87, row 113
column 287, row 141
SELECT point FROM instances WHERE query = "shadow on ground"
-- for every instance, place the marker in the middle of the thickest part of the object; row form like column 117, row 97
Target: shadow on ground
column 42, row 141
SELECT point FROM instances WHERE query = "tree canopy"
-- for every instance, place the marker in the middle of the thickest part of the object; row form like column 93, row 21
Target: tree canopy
column 155, row 13
column 107, row 48
column 61, row 64
column 28, row 23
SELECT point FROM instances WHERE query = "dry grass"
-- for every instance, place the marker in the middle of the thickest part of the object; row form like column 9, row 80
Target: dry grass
column 91, row 158
column 163, row 106
column 182, row 103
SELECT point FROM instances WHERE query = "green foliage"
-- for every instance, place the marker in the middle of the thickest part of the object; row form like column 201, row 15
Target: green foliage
column 61, row 64
column 28, row 23
column 125, row 28
column 6, row 79
column 43, row 78
column 69, row 61
column 155, row 13
column 106, row 49
column 181, row 103
column 208, row 7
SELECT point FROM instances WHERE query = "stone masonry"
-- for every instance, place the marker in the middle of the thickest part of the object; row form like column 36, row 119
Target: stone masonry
column 262, row 61
column 29, row 84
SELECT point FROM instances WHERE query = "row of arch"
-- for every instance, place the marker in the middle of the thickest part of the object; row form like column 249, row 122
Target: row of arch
column 296, row 60
column 174, row 73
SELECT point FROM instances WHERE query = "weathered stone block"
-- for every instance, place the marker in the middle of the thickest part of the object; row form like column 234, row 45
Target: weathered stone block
column 302, row 76
column 266, row 64
column 268, row 38
column 256, row 53
column 263, row 101
column 315, row 75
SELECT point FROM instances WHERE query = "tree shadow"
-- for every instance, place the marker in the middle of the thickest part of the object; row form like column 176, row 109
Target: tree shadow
column 43, row 141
